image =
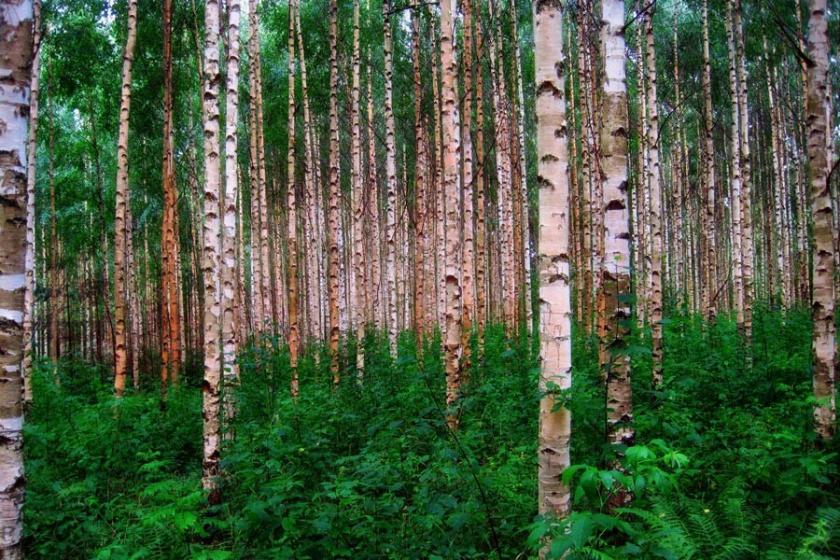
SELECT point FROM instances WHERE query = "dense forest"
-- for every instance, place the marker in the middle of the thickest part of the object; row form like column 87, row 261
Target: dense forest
column 448, row 279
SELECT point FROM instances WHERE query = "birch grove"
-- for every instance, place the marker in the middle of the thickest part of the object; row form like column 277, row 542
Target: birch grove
column 365, row 238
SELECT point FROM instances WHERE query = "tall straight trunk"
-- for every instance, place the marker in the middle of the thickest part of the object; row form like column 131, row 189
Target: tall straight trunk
column 391, row 178
column 437, row 191
column 680, row 189
column 403, row 249
column 375, row 284
column 505, row 193
column 344, row 245
column 708, row 165
column 210, row 263
column 615, row 268
column 277, row 251
column 120, row 283
column 357, row 189
column 333, row 256
column 16, row 44
column 230, row 277
column 468, row 260
column 268, row 296
column 746, row 174
column 593, row 117
column 655, row 210
column 789, row 235
column 586, row 187
column 640, row 190
column 257, row 270
column 735, row 172
column 420, row 174
column 799, row 279
column 244, row 318
column 823, row 259
column 53, row 277
column 776, row 271
column 132, row 327
column 31, row 164
column 522, row 193
column 312, row 198
column 292, row 282
column 452, row 196
column 432, row 208
column 555, row 293
column 575, row 225
column 480, row 222
column 171, row 355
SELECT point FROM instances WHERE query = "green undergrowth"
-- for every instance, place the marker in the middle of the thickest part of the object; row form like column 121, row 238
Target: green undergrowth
column 724, row 466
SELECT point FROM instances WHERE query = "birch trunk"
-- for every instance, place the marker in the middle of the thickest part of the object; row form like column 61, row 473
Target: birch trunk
column 312, row 198
column 120, row 283
column 524, row 204
column 505, row 193
column 746, row 232
column 555, row 295
column 171, row 355
column 293, row 338
column 480, row 221
column 468, row 261
column 259, row 310
column 451, row 192
column 709, row 241
column 615, row 267
column 391, row 178
column 375, row 292
column 268, row 301
column 230, row 278
column 655, row 209
column 333, row 257
column 823, row 259
column 16, row 44
column 210, row 263
column 359, row 286
column 735, row 171
column 420, row 177
column 776, row 273
column 31, row 161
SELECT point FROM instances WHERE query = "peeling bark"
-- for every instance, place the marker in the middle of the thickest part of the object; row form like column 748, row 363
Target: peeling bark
column 452, row 220
column 230, row 278
column 120, row 283
column 16, row 42
column 823, row 296
column 555, row 294
column 211, row 268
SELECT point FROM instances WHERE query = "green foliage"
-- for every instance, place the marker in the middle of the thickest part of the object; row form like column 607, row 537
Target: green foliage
column 111, row 478
column 725, row 465
column 748, row 480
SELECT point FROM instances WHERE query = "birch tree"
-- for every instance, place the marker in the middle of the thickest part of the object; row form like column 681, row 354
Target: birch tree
column 359, row 286
column 230, row 280
column 555, row 293
column 210, row 265
column 121, row 286
column 452, row 195
column 31, row 160
column 821, row 213
column 391, row 181
column 16, row 44
column 615, row 267
column 292, row 282
column 171, row 344
column 333, row 255
column 655, row 205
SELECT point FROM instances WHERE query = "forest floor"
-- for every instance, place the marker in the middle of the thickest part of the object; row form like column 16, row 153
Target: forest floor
column 725, row 464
